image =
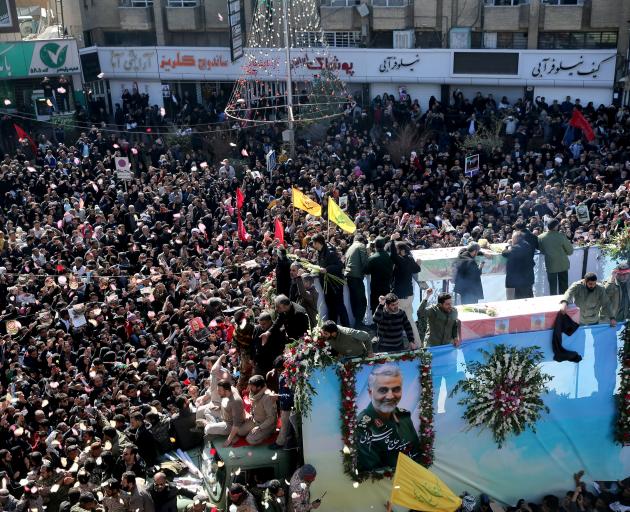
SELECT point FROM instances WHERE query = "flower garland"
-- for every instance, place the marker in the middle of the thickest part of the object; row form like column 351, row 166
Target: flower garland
column 485, row 310
column 504, row 394
column 622, row 430
column 348, row 412
column 301, row 358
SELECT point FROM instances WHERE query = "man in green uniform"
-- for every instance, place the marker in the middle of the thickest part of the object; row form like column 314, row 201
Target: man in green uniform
column 383, row 429
column 592, row 300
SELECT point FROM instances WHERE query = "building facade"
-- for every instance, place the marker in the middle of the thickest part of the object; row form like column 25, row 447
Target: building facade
column 513, row 33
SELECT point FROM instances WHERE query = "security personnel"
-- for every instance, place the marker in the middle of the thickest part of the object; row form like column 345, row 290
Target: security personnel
column 383, row 428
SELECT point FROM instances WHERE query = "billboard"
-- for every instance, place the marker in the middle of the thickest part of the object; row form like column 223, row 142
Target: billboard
column 21, row 59
column 468, row 459
column 8, row 16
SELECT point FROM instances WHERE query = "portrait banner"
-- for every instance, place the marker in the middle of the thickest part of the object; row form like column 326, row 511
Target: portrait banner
column 386, row 409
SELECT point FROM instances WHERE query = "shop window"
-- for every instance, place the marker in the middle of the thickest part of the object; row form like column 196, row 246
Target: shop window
column 506, row 2
column 131, row 38
column 340, row 3
column 390, row 3
column 382, row 39
column 563, row 2
column 577, row 40
column 135, row 3
column 429, row 39
column 182, row 3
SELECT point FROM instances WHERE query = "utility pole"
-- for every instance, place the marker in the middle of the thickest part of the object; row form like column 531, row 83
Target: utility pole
column 287, row 49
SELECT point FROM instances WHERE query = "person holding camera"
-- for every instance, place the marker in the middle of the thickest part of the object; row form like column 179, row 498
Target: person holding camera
column 300, row 490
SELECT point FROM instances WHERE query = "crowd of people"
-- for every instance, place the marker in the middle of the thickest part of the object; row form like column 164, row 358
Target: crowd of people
column 139, row 314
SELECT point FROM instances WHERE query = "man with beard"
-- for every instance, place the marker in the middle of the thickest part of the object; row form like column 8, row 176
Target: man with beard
column 383, row 428
column 591, row 298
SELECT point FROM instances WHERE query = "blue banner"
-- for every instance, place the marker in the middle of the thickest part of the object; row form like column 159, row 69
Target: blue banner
column 576, row 434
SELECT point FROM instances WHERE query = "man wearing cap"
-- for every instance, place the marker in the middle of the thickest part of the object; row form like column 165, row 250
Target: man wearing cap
column 592, row 300
column 618, row 291
column 300, row 490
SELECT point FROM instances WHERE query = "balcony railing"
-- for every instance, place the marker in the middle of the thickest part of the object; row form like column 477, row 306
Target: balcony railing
column 135, row 3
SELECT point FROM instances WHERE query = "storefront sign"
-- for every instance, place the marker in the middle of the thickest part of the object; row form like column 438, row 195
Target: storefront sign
column 42, row 58
column 392, row 63
column 354, row 65
column 55, row 57
column 572, row 65
column 590, row 66
column 193, row 61
column 132, row 61
column 322, row 63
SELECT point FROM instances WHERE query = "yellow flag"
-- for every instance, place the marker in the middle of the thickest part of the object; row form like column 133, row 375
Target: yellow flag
column 303, row 202
column 339, row 217
column 415, row 487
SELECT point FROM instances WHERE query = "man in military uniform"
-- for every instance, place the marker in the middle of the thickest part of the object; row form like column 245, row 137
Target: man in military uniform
column 384, row 429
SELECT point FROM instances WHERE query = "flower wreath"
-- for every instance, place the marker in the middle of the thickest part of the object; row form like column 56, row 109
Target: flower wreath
column 348, row 410
column 301, row 359
column 504, row 393
column 622, row 431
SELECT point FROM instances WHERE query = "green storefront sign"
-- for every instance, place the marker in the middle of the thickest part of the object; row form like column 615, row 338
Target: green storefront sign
column 21, row 59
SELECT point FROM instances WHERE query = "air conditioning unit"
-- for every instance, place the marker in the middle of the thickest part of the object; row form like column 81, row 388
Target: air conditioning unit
column 404, row 38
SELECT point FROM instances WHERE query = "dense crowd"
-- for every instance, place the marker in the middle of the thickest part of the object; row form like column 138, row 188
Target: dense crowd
column 134, row 310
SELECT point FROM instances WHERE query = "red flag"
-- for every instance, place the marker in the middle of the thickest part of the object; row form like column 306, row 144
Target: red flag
column 23, row 135
column 279, row 231
column 240, row 198
column 579, row 121
column 242, row 234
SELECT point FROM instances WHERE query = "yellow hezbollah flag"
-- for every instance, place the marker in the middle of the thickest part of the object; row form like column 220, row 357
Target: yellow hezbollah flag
column 339, row 217
column 417, row 488
column 303, row 202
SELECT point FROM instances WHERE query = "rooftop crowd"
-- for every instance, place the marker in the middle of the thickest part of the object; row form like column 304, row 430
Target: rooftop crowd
column 131, row 307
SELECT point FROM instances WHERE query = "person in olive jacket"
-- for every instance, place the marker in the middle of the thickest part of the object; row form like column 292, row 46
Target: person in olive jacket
column 468, row 275
column 557, row 248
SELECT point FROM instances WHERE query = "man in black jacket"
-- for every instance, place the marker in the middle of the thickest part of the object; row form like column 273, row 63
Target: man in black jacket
column 328, row 259
column 405, row 267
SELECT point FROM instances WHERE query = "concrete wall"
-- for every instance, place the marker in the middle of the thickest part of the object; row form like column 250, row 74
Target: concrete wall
column 184, row 18
column 392, row 18
column 340, row 18
column 562, row 17
column 103, row 14
column 607, row 13
column 501, row 18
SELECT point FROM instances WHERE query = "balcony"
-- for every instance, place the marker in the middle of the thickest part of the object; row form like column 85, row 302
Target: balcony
column 184, row 16
column 561, row 16
column 136, row 14
column 340, row 15
column 392, row 15
column 503, row 18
